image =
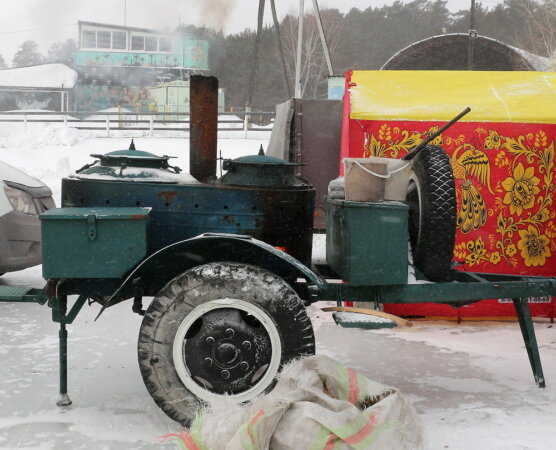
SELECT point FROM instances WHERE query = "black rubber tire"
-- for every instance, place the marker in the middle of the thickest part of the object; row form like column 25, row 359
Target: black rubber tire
column 185, row 294
column 432, row 213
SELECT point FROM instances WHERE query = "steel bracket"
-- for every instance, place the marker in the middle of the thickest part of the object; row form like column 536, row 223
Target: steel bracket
column 92, row 227
column 59, row 314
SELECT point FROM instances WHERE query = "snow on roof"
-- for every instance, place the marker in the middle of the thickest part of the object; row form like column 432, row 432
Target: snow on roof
column 50, row 76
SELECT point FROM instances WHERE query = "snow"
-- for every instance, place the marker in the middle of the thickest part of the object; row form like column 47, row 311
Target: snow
column 471, row 383
column 51, row 76
column 40, row 134
column 119, row 114
column 141, row 175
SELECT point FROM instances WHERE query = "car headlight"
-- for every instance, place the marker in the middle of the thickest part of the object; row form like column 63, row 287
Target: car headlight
column 21, row 201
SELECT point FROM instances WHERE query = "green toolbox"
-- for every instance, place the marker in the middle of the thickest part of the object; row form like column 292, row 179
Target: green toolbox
column 93, row 242
column 366, row 243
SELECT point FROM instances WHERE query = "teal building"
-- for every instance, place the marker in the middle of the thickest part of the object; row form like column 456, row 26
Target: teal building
column 119, row 66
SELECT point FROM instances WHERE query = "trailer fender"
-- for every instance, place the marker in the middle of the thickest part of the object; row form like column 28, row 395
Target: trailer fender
column 171, row 261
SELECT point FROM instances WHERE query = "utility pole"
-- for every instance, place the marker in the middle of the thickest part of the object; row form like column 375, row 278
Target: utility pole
column 280, row 48
column 299, row 49
column 323, row 38
column 251, row 83
column 472, row 37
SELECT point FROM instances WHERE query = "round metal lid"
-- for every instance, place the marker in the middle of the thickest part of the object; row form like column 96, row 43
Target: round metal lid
column 133, row 165
column 260, row 159
column 133, row 158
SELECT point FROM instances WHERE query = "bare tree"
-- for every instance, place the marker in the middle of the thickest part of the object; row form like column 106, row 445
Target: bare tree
column 313, row 66
column 552, row 62
column 539, row 26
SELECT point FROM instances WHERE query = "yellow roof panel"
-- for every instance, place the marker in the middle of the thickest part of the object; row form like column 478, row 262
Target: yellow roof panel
column 528, row 97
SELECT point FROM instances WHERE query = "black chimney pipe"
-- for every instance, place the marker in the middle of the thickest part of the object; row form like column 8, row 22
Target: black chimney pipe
column 203, row 127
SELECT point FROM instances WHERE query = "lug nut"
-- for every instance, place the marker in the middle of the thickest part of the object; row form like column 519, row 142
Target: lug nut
column 230, row 332
column 210, row 340
column 246, row 345
column 207, row 362
column 244, row 365
column 225, row 374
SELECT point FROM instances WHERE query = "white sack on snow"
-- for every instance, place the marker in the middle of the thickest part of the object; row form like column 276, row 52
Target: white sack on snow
column 317, row 403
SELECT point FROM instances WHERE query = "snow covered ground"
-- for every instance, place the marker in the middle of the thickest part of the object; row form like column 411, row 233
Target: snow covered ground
column 471, row 383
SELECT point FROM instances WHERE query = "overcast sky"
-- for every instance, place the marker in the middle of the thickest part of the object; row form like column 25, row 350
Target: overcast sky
column 48, row 21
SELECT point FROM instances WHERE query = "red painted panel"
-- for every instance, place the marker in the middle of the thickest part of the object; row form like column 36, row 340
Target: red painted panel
column 505, row 180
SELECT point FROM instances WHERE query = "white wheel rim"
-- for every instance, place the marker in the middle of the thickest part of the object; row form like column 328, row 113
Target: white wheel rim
column 257, row 312
column 413, row 178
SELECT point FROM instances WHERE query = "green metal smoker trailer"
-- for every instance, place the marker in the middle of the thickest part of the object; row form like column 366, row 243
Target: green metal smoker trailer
column 228, row 261
column 229, row 309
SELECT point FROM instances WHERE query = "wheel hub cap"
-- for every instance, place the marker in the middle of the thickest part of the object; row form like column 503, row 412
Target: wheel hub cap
column 226, row 351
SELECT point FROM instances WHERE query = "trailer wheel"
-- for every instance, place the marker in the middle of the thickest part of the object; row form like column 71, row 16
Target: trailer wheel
column 432, row 213
column 221, row 329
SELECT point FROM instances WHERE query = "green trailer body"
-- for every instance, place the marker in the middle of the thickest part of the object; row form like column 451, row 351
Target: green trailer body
column 367, row 261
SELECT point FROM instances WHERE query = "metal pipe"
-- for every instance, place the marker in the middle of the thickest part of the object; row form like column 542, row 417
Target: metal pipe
column 63, row 398
column 203, row 128
column 299, row 48
column 280, row 48
column 252, row 78
column 323, row 38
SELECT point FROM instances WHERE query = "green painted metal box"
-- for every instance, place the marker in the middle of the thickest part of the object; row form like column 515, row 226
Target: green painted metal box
column 93, row 242
column 366, row 243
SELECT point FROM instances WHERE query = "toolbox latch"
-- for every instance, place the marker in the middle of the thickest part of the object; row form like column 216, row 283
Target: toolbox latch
column 92, row 227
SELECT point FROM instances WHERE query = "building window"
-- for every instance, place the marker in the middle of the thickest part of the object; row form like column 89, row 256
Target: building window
column 89, row 39
column 104, row 39
column 119, row 41
column 138, row 43
column 151, row 44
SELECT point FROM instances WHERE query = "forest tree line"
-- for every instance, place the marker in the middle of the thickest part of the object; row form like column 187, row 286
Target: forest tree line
column 358, row 39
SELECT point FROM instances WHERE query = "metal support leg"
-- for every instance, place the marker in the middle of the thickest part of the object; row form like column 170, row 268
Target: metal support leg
column 528, row 332
column 63, row 398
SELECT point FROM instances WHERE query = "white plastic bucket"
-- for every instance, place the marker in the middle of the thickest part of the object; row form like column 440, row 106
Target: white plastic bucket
column 375, row 179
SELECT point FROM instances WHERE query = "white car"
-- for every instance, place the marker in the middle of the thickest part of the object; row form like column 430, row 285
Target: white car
column 22, row 199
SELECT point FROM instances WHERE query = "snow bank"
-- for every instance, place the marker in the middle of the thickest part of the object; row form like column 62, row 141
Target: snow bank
column 41, row 135
column 52, row 76
column 118, row 113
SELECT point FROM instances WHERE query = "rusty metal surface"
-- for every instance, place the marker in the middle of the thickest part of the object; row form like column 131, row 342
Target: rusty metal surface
column 317, row 131
column 203, row 127
column 280, row 215
column 287, row 221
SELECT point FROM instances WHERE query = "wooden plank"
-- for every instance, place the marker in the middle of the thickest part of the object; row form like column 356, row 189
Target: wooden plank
column 370, row 312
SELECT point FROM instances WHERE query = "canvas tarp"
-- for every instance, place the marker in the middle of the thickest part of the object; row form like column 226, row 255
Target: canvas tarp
column 317, row 403
column 517, row 97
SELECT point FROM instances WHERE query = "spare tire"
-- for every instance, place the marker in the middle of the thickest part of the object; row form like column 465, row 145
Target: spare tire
column 432, row 213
